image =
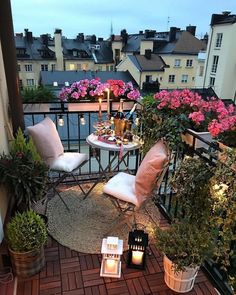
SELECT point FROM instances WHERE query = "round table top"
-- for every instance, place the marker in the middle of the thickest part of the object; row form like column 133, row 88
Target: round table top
column 92, row 140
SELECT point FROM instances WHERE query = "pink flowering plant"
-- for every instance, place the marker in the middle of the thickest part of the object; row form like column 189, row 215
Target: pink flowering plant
column 120, row 89
column 81, row 90
column 202, row 115
column 90, row 89
column 169, row 113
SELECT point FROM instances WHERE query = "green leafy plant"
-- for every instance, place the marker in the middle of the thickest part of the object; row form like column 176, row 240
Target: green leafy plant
column 156, row 124
column 228, row 138
column 191, row 184
column 26, row 231
column 184, row 244
column 23, row 173
column 223, row 191
column 38, row 94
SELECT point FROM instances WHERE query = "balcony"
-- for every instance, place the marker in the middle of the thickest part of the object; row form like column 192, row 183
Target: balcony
column 70, row 272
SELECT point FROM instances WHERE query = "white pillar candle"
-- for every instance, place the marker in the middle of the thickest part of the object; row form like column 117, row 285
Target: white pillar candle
column 137, row 257
column 108, row 103
column 110, row 266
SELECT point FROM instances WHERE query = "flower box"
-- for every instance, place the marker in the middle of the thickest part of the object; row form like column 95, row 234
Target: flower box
column 126, row 106
column 36, row 107
column 189, row 139
column 86, row 106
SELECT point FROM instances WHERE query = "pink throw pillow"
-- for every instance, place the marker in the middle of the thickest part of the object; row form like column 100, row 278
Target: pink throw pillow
column 150, row 168
column 46, row 140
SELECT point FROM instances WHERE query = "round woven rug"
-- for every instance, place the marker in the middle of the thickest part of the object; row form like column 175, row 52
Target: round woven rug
column 83, row 227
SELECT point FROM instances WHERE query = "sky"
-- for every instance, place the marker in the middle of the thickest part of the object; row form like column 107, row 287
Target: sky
column 98, row 16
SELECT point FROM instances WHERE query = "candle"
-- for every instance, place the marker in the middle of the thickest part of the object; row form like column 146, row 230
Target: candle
column 100, row 108
column 108, row 103
column 137, row 257
column 110, row 266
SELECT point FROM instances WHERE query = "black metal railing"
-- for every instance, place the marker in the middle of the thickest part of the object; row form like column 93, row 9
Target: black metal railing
column 73, row 135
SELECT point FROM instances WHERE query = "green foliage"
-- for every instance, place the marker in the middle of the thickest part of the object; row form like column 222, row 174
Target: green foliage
column 192, row 185
column 158, row 124
column 228, row 138
column 26, row 231
column 184, row 244
column 38, row 94
column 23, row 173
column 223, row 191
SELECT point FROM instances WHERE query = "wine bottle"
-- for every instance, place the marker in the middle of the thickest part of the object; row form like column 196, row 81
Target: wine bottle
column 129, row 115
column 120, row 113
column 119, row 122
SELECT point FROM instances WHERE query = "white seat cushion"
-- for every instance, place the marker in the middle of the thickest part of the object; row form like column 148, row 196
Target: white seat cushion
column 121, row 186
column 67, row 162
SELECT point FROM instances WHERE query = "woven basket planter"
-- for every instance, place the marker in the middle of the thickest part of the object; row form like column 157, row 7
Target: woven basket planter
column 26, row 264
column 182, row 281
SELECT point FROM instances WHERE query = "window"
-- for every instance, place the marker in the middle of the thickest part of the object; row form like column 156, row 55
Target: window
column 215, row 63
column 44, row 68
column 30, row 82
column 189, row 63
column 79, row 67
column 201, row 70
column 75, row 53
column 177, row 62
column 160, row 78
column 111, row 68
column 107, row 68
column 100, row 68
column 184, row 79
column 218, row 40
column 84, row 67
column 53, row 67
column 18, row 67
column 171, row 78
column 28, row 68
column 71, row 67
column 212, row 81
column 148, row 78
column 21, row 84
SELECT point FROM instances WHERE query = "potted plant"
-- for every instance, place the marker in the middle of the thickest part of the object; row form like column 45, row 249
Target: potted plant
column 206, row 118
column 37, row 99
column 184, row 246
column 26, row 234
column 23, row 173
column 189, row 239
column 156, row 124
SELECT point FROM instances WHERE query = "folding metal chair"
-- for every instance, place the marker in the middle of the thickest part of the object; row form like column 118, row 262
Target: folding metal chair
column 130, row 193
column 51, row 150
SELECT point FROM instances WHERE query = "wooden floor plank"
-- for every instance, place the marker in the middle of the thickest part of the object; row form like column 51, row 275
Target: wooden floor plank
column 72, row 273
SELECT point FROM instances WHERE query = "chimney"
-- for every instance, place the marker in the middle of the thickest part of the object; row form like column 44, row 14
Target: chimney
column 191, row 29
column 93, row 39
column 172, row 34
column 205, row 38
column 112, row 37
column 124, row 36
column 44, row 38
column 140, row 32
column 148, row 53
column 80, row 37
column 28, row 36
column 100, row 39
column 58, row 50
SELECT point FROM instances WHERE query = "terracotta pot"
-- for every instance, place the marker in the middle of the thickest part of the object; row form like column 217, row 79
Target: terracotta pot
column 181, row 282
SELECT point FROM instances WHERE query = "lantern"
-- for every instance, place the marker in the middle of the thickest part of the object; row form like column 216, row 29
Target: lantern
column 138, row 241
column 112, row 249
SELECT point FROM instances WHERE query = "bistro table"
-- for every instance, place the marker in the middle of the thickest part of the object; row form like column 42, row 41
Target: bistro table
column 121, row 153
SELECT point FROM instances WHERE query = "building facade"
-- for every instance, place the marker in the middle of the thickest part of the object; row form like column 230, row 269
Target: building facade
column 220, row 65
column 178, row 50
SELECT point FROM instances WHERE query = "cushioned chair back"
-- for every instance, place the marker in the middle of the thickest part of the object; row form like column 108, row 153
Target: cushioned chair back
column 152, row 167
column 46, row 140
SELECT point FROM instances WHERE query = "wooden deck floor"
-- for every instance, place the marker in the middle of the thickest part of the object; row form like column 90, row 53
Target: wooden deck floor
column 71, row 273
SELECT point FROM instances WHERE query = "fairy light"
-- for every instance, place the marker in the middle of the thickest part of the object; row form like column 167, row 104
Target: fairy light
column 82, row 120
column 61, row 120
